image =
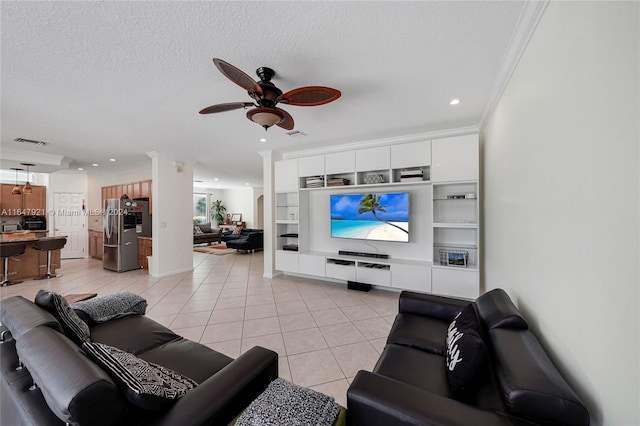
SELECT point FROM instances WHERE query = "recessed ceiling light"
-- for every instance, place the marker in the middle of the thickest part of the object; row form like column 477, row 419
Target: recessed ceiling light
column 112, row 159
column 263, row 140
column 216, row 179
column 454, row 101
column 80, row 168
column 95, row 164
column 246, row 183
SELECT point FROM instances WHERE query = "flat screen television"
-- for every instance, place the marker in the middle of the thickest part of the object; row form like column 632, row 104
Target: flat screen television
column 369, row 216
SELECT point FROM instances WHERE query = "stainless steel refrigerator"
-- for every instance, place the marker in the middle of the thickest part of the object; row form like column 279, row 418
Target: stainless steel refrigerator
column 124, row 221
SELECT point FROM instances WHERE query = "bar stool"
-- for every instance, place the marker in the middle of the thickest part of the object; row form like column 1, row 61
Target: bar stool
column 7, row 251
column 49, row 245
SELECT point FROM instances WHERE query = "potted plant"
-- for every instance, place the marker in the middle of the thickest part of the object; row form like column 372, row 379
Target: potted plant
column 217, row 211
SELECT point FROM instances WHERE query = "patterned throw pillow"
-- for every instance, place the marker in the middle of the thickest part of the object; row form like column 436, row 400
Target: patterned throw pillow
column 197, row 230
column 465, row 351
column 112, row 306
column 145, row 385
column 74, row 328
column 237, row 230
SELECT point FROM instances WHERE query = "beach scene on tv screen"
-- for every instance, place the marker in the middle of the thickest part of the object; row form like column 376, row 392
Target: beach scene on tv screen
column 380, row 217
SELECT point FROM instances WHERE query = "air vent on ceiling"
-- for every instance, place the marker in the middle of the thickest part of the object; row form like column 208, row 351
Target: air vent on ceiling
column 294, row 133
column 23, row 140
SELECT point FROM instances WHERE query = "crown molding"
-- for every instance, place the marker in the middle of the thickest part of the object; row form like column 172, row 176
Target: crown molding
column 32, row 157
column 439, row 134
column 525, row 28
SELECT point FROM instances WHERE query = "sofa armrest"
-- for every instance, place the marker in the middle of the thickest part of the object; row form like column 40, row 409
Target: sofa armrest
column 224, row 395
column 374, row 400
column 443, row 308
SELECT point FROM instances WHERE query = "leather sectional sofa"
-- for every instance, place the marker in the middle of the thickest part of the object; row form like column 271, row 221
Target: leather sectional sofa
column 252, row 242
column 248, row 239
column 411, row 384
column 46, row 379
column 208, row 234
column 230, row 236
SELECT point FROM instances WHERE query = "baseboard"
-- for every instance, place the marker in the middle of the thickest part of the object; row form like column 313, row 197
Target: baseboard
column 166, row 274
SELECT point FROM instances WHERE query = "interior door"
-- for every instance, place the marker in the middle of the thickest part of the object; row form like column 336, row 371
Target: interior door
column 70, row 221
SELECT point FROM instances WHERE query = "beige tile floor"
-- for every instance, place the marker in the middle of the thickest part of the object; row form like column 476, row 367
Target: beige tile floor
column 322, row 332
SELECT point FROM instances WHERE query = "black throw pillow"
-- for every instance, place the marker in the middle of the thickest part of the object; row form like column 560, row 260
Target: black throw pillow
column 145, row 384
column 465, row 351
column 74, row 328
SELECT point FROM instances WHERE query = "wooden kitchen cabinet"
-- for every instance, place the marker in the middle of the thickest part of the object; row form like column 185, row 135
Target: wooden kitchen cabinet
column 10, row 205
column 24, row 204
column 95, row 244
column 140, row 189
column 36, row 202
column 144, row 250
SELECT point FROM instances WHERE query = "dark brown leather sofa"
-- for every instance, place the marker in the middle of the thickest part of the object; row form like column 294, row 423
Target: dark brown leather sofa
column 209, row 234
column 47, row 380
column 519, row 384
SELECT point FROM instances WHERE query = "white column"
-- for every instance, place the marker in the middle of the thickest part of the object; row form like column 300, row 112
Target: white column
column 269, row 213
column 172, row 221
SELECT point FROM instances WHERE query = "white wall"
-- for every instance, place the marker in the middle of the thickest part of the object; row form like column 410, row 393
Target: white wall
column 240, row 200
column 561, row 207
column 172, row 222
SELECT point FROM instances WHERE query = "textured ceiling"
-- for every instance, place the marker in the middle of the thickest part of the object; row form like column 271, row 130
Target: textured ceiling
column 119, row 79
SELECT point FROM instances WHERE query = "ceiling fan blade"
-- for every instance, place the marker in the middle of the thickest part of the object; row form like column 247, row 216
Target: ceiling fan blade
column 226, row 107
column 238, row 77
column 310, row 96
column 287, row 122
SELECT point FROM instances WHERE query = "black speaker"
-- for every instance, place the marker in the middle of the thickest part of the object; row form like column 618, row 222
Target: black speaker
column 352, row 285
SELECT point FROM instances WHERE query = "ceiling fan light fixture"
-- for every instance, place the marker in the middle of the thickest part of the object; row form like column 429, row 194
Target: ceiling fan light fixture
column 265, row 117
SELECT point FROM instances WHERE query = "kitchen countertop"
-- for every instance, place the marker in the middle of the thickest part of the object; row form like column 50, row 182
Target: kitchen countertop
column 28, row 238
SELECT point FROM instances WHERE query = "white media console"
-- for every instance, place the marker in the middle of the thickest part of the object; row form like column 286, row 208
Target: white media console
column 442, row 255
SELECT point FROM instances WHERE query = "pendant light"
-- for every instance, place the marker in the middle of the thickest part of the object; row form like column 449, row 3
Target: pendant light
column 27, row 186
column 16, row 189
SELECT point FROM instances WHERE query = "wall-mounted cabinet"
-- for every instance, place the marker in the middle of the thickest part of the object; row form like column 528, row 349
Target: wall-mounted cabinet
column 286, row 175
column 441, row 175
column 455, row 159
column 396, row 164
column 24, row 204
column 133, row 190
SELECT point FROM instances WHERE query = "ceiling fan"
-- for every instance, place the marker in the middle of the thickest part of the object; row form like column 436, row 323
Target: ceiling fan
column 266, row 96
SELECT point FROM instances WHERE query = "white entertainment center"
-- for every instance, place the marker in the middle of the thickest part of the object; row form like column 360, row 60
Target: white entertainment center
column 442, row 255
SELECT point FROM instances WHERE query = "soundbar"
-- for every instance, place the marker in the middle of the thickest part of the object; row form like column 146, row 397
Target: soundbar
column 363, row 254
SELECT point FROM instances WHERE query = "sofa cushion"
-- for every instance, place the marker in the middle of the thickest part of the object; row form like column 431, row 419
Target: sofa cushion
column 146, row 385
column 134, row 334
column 111, row 306
column 465, row 351
column 420, row 332
column 189, row 358
column 20, row 315
column 498, row 311
column 205, row 228
column 76, row 329
column 74, row 387
column 421, row 369
column 531, row 385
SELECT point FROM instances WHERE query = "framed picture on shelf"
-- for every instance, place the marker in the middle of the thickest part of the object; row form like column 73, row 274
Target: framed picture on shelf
column 236, row 217
column 457, row 258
